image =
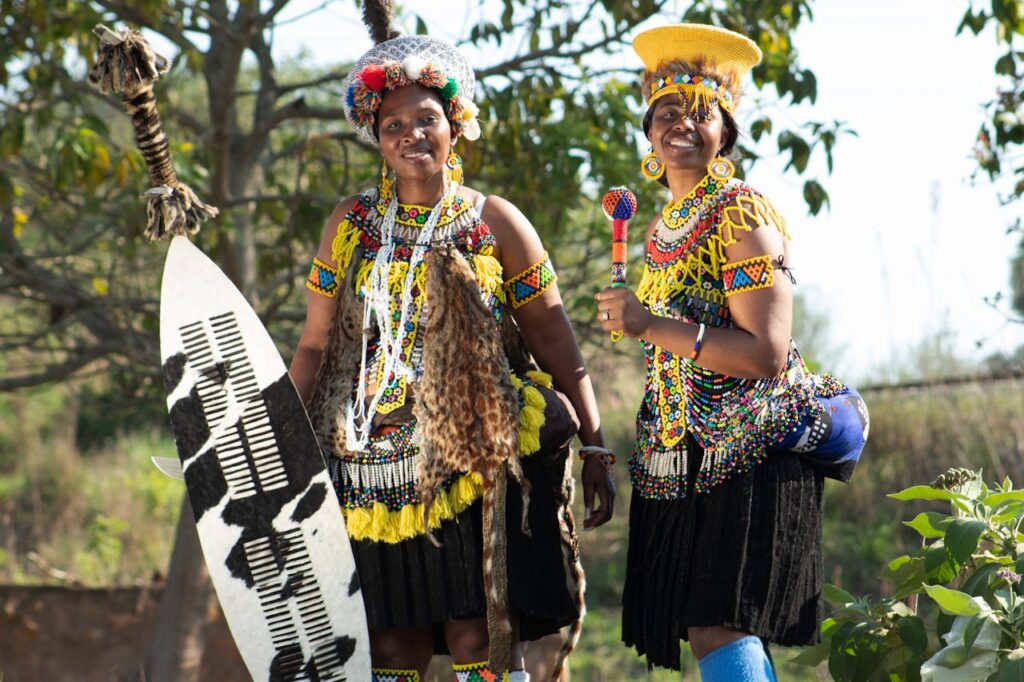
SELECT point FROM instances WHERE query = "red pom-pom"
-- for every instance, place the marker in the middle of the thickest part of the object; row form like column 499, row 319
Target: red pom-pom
column 619, row 203
column 373, row 77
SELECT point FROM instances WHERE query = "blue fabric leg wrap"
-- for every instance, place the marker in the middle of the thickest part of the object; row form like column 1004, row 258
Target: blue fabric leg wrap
column 741, row 661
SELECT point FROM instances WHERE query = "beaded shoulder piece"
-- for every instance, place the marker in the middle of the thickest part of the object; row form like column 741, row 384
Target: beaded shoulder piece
column 360, row 232
column 686, row 252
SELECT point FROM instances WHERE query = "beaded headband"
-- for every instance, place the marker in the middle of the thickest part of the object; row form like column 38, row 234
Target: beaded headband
column 721, row 53
column 699, row 91
column 403, row 61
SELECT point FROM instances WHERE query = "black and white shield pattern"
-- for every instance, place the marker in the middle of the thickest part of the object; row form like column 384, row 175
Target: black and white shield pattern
column 268, row 520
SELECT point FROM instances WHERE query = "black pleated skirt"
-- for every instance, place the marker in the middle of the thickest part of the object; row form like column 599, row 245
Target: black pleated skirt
column 745, row 555
column 413, row 583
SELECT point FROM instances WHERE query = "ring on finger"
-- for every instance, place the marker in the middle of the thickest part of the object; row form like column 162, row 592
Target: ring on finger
column 606, row 316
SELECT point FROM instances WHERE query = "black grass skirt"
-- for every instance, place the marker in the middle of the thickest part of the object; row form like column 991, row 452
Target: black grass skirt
column 413, row 583
column 746, row 556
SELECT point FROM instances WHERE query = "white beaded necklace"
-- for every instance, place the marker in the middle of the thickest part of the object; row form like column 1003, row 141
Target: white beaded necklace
column 377, row 305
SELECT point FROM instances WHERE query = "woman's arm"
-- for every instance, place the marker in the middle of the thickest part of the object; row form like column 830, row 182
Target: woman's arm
column 319, row 311
column 550, row 338
column 756, row 347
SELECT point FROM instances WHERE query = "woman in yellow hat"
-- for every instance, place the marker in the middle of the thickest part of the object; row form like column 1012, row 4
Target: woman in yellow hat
column 725, row 522
column 427, row 301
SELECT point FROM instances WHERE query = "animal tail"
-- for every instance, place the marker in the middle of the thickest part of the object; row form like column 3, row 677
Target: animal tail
column 576, row 579
column 495, row 549
column 515, row 469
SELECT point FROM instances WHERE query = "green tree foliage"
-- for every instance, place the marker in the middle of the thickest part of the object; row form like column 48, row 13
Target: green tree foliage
column 268, row 144
column 968, row 566
column 1001, row 135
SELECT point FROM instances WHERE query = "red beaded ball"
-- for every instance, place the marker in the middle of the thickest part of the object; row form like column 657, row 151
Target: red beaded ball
column 619, row 203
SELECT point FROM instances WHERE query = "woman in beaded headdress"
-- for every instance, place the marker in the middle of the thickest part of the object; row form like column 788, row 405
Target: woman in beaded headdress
column 434, row 339
column 725, row 520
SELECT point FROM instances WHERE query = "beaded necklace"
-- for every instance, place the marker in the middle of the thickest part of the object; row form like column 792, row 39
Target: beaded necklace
column 395, row 342
column 680, row 214
column 411, row 218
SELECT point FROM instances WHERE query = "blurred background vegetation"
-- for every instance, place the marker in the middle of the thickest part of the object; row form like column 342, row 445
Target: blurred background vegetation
column 81, row 405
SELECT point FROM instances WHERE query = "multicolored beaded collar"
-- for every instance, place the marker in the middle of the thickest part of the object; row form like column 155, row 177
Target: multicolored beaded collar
column 680, row 212
column 417, row 215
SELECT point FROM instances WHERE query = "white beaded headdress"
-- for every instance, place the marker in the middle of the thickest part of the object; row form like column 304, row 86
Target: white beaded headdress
column 397, row 61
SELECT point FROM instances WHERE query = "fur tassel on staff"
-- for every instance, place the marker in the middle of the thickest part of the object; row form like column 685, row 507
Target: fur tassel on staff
column 126, row 65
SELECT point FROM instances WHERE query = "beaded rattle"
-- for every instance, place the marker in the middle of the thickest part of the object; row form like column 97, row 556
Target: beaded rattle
column 619, row 205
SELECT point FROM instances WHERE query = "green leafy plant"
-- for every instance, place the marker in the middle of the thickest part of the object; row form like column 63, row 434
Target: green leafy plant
column 969, row 566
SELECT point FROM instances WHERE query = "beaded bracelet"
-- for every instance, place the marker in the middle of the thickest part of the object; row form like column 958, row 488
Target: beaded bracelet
column 697, row 344
column 606, row 456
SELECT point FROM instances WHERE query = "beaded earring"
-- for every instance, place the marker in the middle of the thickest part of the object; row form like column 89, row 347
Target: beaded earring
column 721, row 169
column 651, row 167
column 385, row 182
column 454, row 167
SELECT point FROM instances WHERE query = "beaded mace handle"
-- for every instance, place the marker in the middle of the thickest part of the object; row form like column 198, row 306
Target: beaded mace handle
column 619, row 205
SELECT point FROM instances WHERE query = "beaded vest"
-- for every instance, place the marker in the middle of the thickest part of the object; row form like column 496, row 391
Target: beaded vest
column 377, row 485
column 734, row 420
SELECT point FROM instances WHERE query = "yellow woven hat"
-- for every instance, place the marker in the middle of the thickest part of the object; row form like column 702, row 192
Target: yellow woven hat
column 720, row 52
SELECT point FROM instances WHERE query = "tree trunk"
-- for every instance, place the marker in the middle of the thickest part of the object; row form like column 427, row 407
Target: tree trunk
column 176, row 646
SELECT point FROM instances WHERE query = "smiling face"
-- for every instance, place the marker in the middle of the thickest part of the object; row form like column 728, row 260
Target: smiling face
column 683, row 145
column 415, row 135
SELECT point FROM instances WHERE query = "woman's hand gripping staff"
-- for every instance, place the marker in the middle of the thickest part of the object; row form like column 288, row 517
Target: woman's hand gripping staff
column 619, row 205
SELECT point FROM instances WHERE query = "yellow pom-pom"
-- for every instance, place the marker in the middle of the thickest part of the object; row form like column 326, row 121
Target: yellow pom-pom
column 357, row 523
column 540, row 378
column 382, row 524
column 466, row 491
column 531, row 420
column 441, row 510
column 535, row 399
column 410, row 520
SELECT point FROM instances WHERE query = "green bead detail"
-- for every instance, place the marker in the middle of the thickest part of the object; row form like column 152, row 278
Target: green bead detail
column 450, row 89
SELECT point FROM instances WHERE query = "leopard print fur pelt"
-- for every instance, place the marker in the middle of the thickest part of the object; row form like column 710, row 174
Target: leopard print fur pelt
column 466, row 376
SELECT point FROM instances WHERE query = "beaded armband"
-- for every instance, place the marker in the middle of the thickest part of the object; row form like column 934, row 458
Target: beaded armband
column 323, row 279
column 749, row 274
column 530, row 283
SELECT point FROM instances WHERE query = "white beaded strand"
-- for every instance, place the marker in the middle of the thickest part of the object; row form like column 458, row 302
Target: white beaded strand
column 377, row 304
